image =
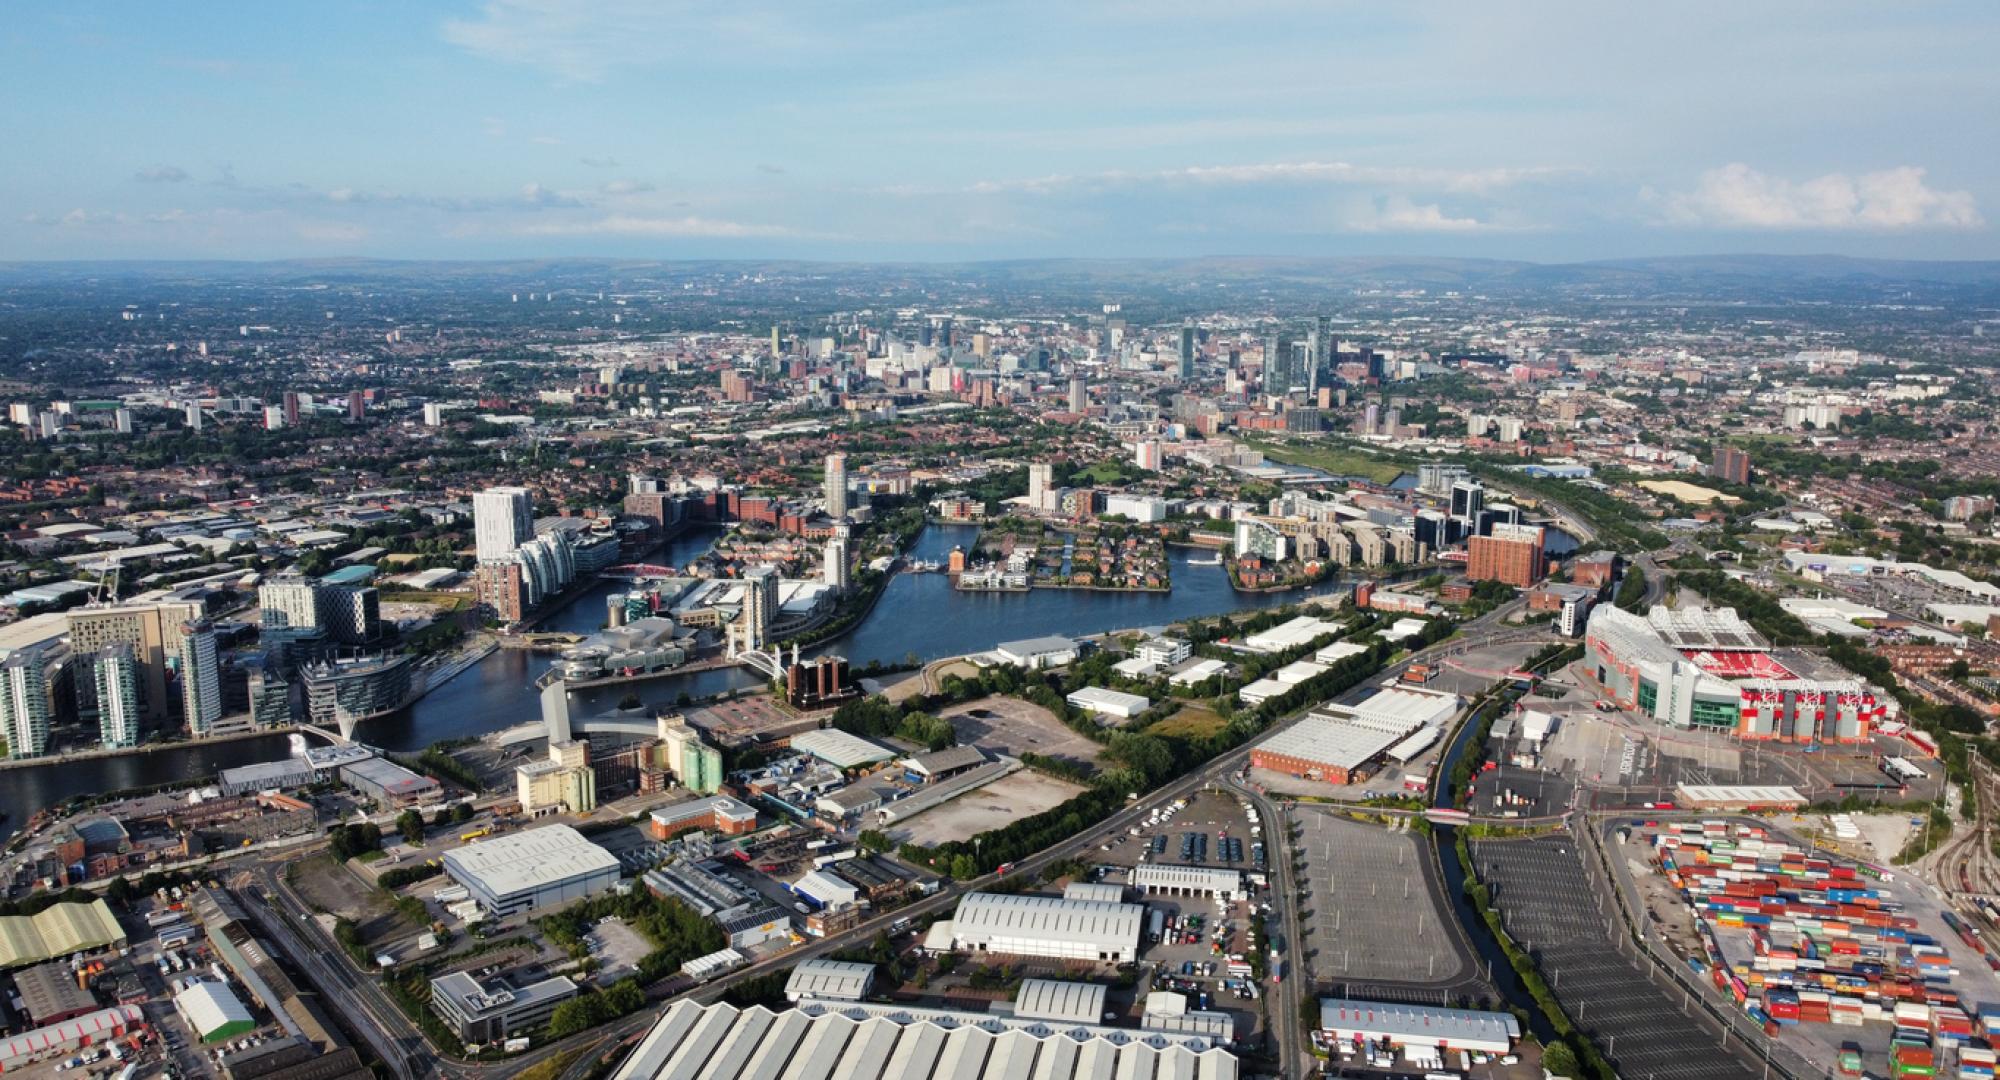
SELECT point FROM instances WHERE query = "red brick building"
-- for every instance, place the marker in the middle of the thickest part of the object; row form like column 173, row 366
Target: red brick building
column 1513, row 555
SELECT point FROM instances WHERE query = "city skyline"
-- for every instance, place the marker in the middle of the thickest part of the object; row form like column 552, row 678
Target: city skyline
column 515, row 128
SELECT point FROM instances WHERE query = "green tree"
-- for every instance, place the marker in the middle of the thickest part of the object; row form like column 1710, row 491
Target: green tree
column 1559, row 1060
column 411, row 824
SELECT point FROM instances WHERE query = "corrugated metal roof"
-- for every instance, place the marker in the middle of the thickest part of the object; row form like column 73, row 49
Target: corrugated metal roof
column 1056, row 999
column 839, row 748
column 1088, row 921
column 853, row 1042
column 1422, row 1024
column 833, row 979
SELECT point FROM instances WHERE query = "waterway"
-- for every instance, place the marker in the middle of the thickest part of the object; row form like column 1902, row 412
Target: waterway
column 919, row 616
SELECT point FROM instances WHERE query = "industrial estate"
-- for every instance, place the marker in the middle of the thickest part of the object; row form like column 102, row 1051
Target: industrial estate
column 574, row 541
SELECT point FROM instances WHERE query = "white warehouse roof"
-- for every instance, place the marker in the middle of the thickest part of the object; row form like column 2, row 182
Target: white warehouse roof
column 1091, row 922
column 210, row 1007
column 1420, row 1025
column 840, row 749
column 528, row 860
column 854, row 1041
column 1401, row 707
column 1058, row 999
column 1289, row 634
column 831, row 979
column 1199, row 879
column 1338, row 742
column 1101, row 699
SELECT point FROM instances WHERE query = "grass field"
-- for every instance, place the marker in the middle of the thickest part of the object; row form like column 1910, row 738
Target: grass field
column 1192, row 722
column 1334, row 459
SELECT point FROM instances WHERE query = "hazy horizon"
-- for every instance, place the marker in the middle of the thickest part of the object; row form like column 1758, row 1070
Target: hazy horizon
column 500, row 129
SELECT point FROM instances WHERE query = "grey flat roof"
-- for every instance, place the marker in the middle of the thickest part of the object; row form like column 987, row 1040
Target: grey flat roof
column 1422, row 1024
column 839, row 748
column 1332, row 741
column 527, row 860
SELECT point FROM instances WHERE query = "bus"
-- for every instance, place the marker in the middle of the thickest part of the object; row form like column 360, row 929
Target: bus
column 469, row 837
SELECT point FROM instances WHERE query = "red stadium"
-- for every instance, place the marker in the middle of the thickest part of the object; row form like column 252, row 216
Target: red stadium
column 1739, row 665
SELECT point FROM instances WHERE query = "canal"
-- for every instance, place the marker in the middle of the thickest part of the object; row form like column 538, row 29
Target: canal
column 919, row 616
column 1504, row 979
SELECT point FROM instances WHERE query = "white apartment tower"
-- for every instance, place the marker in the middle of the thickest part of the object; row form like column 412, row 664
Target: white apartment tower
column 24, row 704
column 503, row 518
column 201, row 678
column 1041, row 476
column 114, row 670
column 836, row 486
column 834, row 572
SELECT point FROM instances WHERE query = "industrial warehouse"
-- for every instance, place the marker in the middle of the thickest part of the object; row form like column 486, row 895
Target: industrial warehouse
column 1045, row 926
column 533, row 869
column 1418, row 1026
column 1338, row 743
column 1707, row 668
column 860, row 1042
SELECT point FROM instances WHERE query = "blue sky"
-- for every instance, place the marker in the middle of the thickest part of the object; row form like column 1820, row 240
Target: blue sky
column 958, row 130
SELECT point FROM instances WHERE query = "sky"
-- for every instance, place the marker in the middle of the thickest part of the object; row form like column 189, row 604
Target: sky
column 960, row 130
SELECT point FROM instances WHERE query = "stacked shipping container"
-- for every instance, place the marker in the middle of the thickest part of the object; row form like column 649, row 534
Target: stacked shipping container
column 1829, row 948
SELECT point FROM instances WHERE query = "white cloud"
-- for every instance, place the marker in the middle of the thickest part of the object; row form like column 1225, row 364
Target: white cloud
column 161, row 174
column 1738, row 196
column 633, row 225
column 1398, row 214
column 583, row 40
column 1461, row 181
column 627, row 187
column 598, row 162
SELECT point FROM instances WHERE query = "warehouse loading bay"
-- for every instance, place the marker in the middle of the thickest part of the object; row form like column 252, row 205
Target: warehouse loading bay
column 1213, row 825
column 1820, row 1045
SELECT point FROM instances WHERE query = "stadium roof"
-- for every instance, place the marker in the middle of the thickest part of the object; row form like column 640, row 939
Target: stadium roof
column 527, row 860
column 1422, row 1025
column 1705, row 629
column 1049, row 918
column 58, row 930
column 837, row 979
column 1334, row 741
column 1058, row 999
column 840, row 749
column 858, row 1041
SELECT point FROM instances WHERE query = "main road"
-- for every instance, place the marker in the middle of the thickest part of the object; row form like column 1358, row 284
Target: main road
column 401, row 1043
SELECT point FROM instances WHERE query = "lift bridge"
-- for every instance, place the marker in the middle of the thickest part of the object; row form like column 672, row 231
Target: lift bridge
column 770, row 664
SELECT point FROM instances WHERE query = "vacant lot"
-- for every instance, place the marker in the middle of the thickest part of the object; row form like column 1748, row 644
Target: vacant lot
column 1012, row 726
column 1336, row 460
column 1193, row 722
column 330, row 887
column 999, row 803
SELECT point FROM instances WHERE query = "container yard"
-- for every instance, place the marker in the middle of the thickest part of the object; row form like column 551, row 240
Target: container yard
column 1839, row 961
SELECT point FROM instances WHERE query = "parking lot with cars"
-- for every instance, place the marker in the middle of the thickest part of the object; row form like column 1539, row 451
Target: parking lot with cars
column 1201, row 946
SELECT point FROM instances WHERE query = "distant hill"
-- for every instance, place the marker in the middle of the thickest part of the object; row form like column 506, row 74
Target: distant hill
column 1703, row 273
